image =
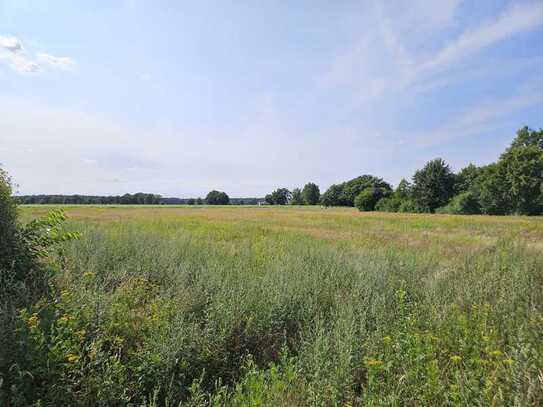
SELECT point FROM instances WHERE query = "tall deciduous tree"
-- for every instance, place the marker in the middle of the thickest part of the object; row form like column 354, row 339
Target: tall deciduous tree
column 433, row 186
column 311, row 194
column 296, row 197
column 523, row 170
column 344, row 194
column 217, row 198
column 528, row 137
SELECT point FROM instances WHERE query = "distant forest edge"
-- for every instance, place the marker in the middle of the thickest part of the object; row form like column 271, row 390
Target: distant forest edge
column 139, row 198
column 513, row 185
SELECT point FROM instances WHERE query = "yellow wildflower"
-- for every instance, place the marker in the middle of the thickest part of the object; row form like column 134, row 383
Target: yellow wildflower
column 64, row 319
column 508, row 362
column 387, row 339
column 72, row 358
column 33, row 320
column 496, row 353
column 456, row 358
column 89, row 274
column 373, row 362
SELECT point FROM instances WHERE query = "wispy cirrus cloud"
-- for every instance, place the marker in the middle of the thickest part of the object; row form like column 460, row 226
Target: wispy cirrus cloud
column 381, row 60
column 62, row 63
column 517, row 19
column 19, row 58
column 481, row 118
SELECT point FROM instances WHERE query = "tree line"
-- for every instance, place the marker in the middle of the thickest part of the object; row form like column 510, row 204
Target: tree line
column 513, row 185
column 139, row 198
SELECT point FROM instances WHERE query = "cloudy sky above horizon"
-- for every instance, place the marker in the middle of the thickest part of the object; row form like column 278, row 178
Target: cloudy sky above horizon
column 177, row 98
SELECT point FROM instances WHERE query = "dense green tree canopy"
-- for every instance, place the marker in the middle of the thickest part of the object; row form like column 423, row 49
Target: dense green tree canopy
column 433, row 185
column 344, row 194
column 281, row 196
column 296, row 198
column 528, row 137
column 492, row 192
column 368, row 198
column 217, row 198
column 523, row 170
column 311, row 194
column 332, row 195
column 467, row 177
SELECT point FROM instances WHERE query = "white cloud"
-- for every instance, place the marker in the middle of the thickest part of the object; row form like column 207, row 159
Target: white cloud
column 517, row 19
column 22, row 64
column 62, row 63
column 386, row 55
column 481, row 118
column 12, row 44
column 13, row 52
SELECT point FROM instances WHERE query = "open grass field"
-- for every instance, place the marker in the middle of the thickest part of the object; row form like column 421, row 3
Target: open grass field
column 294, row 306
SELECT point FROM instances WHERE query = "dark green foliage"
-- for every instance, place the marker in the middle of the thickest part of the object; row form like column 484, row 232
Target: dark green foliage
column 528, row 137
column 389, row 204
column 512, row 185
column 296, row 197
column 8, row 223
column 404, row 189
column 465, row 203
column 311, row 194
column 492, row 190
column 410, row 206
column 332, row 195
column 344, row 194
column 393, row 202
column 466, row 179
column 523, row 169
column 368, row 198
column 217, row 198
column 433, row 185
column 352, row 188
column 24, row 279
column 139, row 198
column 281, row 196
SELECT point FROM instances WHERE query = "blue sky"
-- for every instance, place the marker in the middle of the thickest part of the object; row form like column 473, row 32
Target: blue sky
column 177, row 98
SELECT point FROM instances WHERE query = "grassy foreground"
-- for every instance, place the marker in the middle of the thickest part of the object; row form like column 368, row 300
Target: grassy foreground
column 249, row 306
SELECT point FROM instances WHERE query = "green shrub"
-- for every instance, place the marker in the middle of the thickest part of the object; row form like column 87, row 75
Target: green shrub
column 410, row 206
column 390, row 204
column 465, row 203
column 368, row 198
column 25, row 281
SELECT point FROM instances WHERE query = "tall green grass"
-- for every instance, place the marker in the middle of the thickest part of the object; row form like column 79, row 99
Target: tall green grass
column 162, row 312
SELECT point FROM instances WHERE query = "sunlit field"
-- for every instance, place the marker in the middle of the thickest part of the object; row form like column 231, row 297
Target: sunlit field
column 292, row 306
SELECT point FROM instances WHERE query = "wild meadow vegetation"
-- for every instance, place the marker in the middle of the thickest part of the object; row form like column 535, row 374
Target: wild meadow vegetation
column 278, row 306
column 282, row 305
